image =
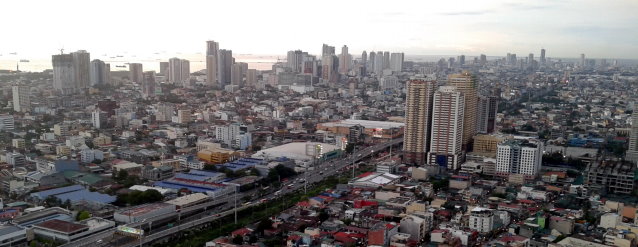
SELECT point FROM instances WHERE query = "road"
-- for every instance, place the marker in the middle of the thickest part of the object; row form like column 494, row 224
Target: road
column 320, row 172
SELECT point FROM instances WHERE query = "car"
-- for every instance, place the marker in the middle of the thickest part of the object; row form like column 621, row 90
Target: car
column 217, row 215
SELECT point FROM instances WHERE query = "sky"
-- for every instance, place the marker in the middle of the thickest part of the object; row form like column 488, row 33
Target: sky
column 565, row 28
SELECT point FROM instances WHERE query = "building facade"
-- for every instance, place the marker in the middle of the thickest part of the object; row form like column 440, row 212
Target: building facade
column 418, row 115
column 447, row 128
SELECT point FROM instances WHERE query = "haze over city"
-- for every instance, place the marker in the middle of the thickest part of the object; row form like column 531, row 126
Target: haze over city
column 601, row 29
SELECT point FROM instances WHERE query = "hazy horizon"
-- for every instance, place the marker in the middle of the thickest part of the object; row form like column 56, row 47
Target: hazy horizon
column 565, row 28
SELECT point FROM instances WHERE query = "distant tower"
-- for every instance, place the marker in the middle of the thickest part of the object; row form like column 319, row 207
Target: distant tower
column 543, row 61
column 582, row 60
column 148, row 87
column 396, row 61
column 212, row 56
column 136, row 72
column 99, row 72
column 364, row 62
column 224, row 67
column 344, row 60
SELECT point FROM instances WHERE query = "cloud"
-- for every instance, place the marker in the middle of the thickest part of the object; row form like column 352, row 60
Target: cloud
column 460, row 13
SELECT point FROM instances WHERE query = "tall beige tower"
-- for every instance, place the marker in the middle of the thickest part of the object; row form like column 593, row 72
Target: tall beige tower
column 466, row 84
column 632, row 151
column 418, row 114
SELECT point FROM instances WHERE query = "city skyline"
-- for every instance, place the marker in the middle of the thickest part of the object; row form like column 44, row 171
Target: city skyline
column 564, row 28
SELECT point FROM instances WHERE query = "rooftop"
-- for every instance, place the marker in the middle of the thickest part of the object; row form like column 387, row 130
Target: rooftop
column 61, row 226
column 143, row 209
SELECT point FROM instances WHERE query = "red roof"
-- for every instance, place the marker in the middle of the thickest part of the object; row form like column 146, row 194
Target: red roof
column 304, row 204
column 61, row 226
column 365, row 174
column 241, row 232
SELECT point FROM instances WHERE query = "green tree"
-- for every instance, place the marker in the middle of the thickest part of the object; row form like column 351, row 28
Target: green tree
column 82, row 215
column 264, row 225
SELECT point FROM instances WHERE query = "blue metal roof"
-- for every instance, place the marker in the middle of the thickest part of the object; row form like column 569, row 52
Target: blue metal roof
column 191, row 177
column 88, row 196
column 203, row 173
column 44, row 194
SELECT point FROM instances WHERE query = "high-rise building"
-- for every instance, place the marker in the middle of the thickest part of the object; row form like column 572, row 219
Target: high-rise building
column 21, row 98
column 364, row 61
column 386, row 60
column 309, row 65
column 212, row 56
column 63, row 73
column 486, row 115
column 164, row 112
column 251, row 77
column 418, row 114
column 543, row 61
column 148, row 87
column 178, row 71
column 327, row 50
column 582, row 60
column 447, row 128
column 396, row 61
column 632, row 151
column 378, row 64
column 294, row 60
column 371, row 61
column 519, row 156
column 164, row 68
column 81, row 63
column 466, row 83
column 236, row 77
column 136, row 73
column 483, row 60
column 461, row 59
column 100, row 72
column 224, row 67
column 344, row 60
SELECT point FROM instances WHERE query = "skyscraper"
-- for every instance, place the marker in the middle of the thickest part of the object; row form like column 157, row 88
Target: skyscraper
column 21, row 98
column 148, row 87
column 418, row 114
column 186, row 72
column 632, row 151
column 251, row 77
column 164, row 68
column 344, row 60
column 378, row 64
column 543, row 57
column 100, row 72
column 224, row 66
column 386, row 60
column 486, row 115
column 136, row 72
column 212, row 54
column 178, row 71
column 81, row 62
column 483, row 59
column 63, row 73
column 461, row 59
column 371, row 61
column 447, row 128
column 396, row 61
column 582, row 60
column 236, row 77
column 294, row 60
column 466, row 83
column 518, row 156
column 327, row 50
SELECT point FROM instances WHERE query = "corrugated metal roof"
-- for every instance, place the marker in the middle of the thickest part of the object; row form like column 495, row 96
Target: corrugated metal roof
column 44, row 194
column 85, row 195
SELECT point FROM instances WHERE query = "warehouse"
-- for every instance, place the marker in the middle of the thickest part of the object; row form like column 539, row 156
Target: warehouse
column 189, row 200
column 298, row 151
column 139, row 213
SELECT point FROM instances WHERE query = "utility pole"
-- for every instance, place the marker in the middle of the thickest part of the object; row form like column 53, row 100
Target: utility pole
column 236, row 205
column 354, row 151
